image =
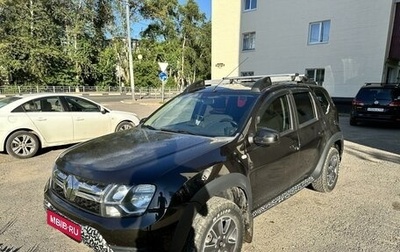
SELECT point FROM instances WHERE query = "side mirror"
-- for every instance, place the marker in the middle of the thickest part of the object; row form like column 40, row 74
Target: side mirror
column 266, row 136
column 103, row 110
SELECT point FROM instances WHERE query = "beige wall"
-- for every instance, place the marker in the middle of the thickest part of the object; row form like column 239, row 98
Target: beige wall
column 355, row 54
column 225, row 30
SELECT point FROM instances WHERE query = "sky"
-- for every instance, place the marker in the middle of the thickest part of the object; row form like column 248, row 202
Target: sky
column 205, row 6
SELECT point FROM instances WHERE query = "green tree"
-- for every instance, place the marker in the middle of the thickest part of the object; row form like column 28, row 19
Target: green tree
column 83, row 35
column 52, row 41
column 195, row 42
column 179, row 33
column 76, row 42
column 27, row 51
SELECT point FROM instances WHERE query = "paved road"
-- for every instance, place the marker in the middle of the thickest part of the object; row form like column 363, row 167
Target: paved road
column 361, row 214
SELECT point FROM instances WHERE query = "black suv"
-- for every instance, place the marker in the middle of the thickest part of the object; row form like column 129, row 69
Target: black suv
column 376, row 102
column 193, row 175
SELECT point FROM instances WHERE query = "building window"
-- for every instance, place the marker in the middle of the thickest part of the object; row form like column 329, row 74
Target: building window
column 250, row 4
column 317, row 74
column 319, row 32
column 247, row 73
column 249, row 41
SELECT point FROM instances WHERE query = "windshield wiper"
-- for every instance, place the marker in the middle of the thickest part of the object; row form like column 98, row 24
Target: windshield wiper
column 177, row 131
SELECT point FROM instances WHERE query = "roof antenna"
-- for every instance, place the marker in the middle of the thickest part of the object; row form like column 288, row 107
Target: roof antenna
column 231, row 72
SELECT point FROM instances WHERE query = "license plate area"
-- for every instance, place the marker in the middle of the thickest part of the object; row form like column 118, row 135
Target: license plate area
column 375, row 109
column 64, row 225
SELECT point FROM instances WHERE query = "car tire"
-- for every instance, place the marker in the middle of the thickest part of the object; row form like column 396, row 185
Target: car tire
column 330, row 172
column 22, row 144
column 125, row 125
column 218, row 226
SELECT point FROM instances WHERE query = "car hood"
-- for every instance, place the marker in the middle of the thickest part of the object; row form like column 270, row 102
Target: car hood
column 124, row 115
column 121, row 112
column 139, row 155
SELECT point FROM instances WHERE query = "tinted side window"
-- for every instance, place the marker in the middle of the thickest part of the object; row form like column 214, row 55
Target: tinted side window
column 32, row 106
column 276, row 115
column 51, row 104
column 77, row 104
column 304, row 106
column 47, row 104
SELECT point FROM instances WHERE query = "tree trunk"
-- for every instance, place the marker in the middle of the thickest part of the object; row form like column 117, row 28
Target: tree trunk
column 182, row 79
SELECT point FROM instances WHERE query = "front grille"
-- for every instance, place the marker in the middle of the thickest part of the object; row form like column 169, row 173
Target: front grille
column 89, row 205
column 59, row 191
column 80, row 192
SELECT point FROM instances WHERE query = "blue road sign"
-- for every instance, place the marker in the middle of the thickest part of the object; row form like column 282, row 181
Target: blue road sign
column 163, row 76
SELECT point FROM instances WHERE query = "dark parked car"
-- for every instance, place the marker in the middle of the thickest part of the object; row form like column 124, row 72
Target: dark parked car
column 376, row 102
column 193, row 175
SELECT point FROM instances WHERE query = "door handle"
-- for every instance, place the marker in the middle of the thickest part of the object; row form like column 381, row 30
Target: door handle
column 41, row 119
column 79, row 119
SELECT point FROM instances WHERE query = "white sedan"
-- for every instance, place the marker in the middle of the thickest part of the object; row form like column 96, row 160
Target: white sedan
column 34, row 121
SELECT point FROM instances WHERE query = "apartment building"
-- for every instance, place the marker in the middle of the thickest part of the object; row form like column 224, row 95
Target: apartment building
column 341, row 44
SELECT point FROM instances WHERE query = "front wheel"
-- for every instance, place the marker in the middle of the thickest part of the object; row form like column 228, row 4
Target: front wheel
column 330, row 172
column 124, row 126
column 22, row 144
column 219, row 226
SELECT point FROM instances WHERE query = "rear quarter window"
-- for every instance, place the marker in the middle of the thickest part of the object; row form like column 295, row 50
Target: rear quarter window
column 323, row 99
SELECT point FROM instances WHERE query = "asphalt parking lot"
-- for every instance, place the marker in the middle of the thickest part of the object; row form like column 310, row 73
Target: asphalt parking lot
column 361, row 214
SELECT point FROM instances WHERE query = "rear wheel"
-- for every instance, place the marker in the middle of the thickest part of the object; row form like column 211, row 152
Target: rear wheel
column 22, row 144
column 330, row 172
column 217, row 227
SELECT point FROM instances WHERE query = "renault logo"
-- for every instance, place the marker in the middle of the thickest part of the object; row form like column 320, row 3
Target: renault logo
column 71, row 185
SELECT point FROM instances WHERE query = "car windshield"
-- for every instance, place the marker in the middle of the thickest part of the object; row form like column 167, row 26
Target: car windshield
column 7, row 100
column 207, row 114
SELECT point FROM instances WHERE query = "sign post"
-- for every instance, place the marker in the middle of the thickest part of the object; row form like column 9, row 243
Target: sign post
column 163, row 77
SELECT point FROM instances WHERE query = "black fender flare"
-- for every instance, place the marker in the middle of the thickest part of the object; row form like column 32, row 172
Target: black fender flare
column 331, row 142
column 214, row 188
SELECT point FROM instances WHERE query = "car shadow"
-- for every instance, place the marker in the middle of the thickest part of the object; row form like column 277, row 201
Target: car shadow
column 380, row 136
column 43, row 151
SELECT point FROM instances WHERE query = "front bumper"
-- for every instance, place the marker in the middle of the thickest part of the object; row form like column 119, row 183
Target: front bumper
column 91, row 237
column 143, row 233
column 374, row 117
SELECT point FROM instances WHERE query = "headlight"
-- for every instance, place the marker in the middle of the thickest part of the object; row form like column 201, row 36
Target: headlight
column 123, row 200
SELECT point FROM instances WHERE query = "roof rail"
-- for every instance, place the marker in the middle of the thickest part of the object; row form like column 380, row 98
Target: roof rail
column 256, row 83
column 274, row 77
